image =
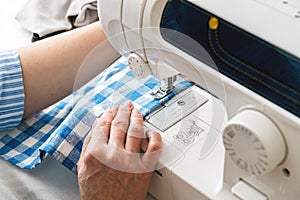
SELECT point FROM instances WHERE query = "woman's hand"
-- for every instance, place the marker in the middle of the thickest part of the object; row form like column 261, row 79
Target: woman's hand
column 111, row 165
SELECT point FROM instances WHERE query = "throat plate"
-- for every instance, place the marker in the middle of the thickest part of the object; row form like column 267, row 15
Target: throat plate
column 176, row 109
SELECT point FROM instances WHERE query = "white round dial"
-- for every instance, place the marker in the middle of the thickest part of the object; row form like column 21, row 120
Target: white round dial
column 254, row 142
column 138, row 66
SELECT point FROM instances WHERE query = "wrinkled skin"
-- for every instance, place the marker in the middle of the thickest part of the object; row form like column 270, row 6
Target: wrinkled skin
column 111, row 166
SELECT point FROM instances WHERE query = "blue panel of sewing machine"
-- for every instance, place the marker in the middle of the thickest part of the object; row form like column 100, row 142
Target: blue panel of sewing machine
column 243, row 57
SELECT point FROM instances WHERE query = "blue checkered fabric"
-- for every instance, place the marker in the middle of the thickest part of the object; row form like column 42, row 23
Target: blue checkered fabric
column 60, row 129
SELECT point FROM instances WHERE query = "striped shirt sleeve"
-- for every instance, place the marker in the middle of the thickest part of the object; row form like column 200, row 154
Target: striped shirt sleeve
column 11, row 90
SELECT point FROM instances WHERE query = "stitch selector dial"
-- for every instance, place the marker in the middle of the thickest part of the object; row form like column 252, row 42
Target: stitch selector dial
column 254, row 142
column 138, row 66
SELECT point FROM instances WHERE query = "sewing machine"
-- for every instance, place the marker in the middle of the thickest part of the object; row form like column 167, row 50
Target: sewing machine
column 236, row 134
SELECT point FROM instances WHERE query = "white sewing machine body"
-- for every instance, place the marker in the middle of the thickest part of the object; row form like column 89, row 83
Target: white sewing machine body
column 261, row 138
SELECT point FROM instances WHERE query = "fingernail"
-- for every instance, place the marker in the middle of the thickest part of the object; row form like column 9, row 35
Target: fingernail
column 127, row 104
column 137, row 113
column 114, row 109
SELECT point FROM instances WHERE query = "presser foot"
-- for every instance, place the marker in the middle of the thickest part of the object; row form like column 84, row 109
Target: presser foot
column 166, row 87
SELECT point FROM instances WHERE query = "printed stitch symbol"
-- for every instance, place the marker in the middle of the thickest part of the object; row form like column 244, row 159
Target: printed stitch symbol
column 188, row 137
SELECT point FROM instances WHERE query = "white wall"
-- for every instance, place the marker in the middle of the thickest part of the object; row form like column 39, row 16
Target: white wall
column 12, row 35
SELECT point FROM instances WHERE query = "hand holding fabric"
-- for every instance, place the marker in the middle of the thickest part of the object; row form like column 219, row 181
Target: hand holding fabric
column 111, row 165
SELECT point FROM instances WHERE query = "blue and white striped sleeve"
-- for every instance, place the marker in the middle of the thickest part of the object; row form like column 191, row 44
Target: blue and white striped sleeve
column 11, row 90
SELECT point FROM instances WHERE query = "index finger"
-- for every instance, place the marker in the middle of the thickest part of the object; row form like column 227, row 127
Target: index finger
column 120, row 125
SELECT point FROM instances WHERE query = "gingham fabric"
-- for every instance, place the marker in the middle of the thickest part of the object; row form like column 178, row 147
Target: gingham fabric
column 60, row 129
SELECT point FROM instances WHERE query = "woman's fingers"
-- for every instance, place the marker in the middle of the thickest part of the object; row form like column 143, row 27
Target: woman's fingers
column 115, row 141
column 154, row 143
column 100, row 131
column 120, row 125
column 106, row 119
column 153, row 150
column 101, row 127
column 135, row 132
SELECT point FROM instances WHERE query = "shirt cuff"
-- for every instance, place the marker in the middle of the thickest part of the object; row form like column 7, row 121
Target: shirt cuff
column 11, row 90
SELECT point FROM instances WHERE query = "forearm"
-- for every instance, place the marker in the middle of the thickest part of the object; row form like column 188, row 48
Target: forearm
column 50, row 66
